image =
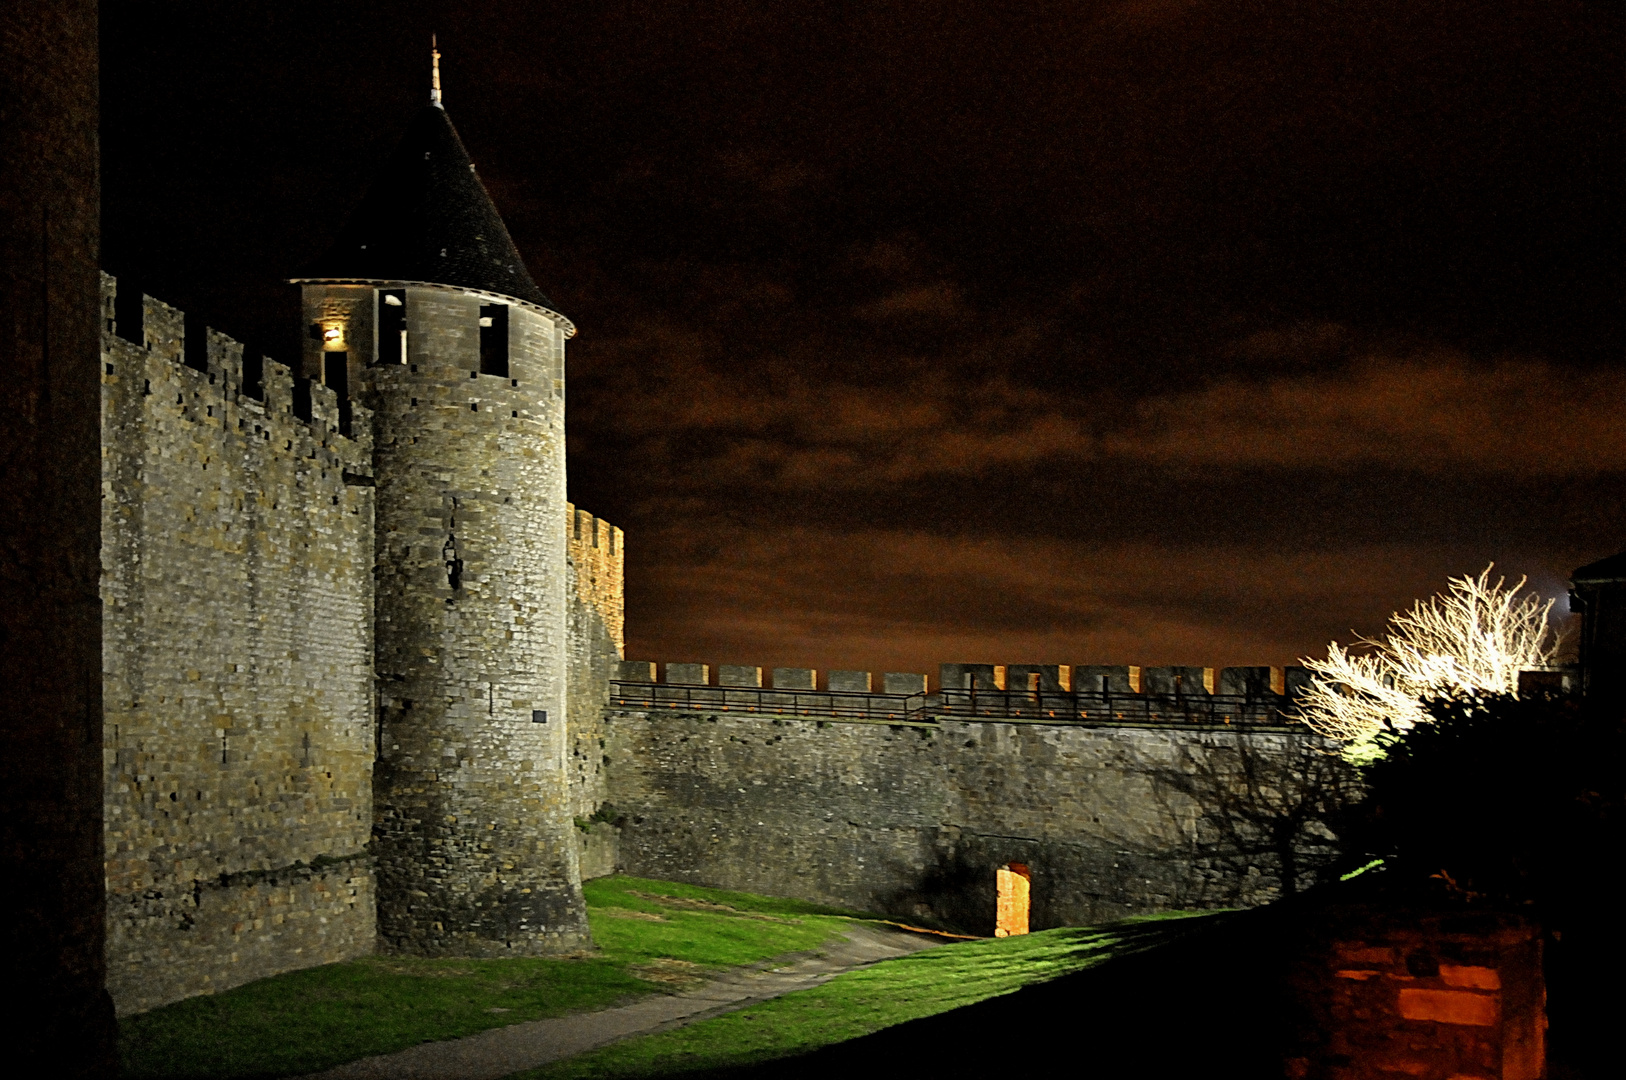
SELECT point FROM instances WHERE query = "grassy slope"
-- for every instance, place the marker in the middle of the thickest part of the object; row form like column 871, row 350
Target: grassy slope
column 860, row 1002
column 652, row 936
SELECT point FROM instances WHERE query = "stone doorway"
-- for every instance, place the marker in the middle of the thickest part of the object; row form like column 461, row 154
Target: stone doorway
column 1013, row 884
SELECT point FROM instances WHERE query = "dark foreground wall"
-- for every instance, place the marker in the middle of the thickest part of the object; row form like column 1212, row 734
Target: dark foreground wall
column 51, row 908
column 913, row 820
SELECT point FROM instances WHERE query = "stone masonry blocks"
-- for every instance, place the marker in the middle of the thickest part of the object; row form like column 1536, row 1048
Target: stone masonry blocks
column 237, row 612
column 689, row 674
column 799, row 678
column 738, row 675
column 477, row 853
column 902, row 682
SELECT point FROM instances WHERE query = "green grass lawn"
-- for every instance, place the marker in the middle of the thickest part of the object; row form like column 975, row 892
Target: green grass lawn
column 653, row 937
column 859, row 1002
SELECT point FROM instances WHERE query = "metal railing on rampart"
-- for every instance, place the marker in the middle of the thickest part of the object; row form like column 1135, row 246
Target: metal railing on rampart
column 751, row 699
column 1106, row 707
column 1102, row 708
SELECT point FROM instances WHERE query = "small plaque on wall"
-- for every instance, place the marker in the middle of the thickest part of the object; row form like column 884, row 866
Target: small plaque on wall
column 539, row 716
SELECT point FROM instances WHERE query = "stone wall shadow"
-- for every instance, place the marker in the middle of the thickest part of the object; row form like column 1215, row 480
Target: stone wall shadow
column 955, row 892
column 1270, row 816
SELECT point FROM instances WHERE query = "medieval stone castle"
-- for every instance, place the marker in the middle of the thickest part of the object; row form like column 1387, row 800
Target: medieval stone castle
column 365, row 689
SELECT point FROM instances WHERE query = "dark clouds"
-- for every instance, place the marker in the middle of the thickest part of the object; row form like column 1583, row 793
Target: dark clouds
column 1181, row 332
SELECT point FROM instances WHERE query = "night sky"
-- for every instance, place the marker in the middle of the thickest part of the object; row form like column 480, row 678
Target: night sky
column 1146, row 332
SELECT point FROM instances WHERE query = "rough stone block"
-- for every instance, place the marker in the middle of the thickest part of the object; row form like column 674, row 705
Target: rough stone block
column 1171, row 681
column 971, row 676
column 690, row 674
column 1448, row 1007
column 851, row 682
column 797, row 678
column 1096, row 678
column 737, row 675
column 1246, row 681
column 903, row 682
column 635, row 671
column 1045, row 678
column 243, row 614
column 1294, row 681
column 181, row 443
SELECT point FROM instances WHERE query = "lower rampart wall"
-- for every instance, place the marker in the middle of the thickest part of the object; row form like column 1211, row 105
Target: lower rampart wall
column 913, row 820
column 177, row 944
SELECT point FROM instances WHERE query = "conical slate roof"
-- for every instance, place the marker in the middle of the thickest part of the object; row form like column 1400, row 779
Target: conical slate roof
column 428, row 218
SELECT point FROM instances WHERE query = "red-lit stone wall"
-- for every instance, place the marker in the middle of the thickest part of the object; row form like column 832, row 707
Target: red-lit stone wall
column 1424, row 995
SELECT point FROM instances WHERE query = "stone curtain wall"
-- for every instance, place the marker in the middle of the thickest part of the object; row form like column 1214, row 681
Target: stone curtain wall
column 597, row 557
column 913, row 820
column 237, row 597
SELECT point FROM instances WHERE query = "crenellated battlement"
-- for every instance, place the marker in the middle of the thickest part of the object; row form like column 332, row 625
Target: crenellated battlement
column 1059, row 693
column 597, row 549
column 237, row 579
column 1014, row 678
column 210, row 378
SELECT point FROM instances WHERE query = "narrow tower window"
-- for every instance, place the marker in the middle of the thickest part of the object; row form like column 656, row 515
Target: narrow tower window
column 336, row 373
column 494, row 339
column 392, row 330
column 1013, row 884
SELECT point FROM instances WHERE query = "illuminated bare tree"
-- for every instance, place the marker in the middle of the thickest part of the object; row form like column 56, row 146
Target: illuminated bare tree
column 1475, row 637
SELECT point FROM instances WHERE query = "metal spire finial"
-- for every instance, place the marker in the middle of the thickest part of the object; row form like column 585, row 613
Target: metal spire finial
column 434, row 74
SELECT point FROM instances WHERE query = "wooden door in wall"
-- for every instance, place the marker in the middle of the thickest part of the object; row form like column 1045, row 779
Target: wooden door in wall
column 1013, row 884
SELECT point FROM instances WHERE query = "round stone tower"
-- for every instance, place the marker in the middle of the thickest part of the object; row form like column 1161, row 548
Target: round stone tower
column 425, row 307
